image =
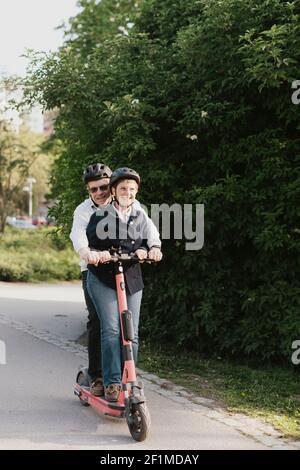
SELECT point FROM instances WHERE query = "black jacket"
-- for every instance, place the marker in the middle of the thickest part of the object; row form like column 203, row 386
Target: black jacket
column 105, row 231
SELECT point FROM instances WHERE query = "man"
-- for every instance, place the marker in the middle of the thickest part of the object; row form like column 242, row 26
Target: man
column 96, row 179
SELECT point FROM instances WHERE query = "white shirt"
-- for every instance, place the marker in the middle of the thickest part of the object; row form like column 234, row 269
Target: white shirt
column 81, row 218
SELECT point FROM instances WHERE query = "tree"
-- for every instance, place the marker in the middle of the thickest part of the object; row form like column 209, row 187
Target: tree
column 99, row 21
column 197, row 98
column 19, row 157
column 20, row 153
column 7, row 164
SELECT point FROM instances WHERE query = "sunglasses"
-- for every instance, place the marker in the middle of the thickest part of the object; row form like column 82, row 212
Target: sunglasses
column 104, row 187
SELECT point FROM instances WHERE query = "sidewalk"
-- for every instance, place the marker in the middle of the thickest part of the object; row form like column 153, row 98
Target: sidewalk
column 55, row 308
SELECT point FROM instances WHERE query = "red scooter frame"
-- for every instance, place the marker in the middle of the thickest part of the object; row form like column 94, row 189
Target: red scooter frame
column 132, row 401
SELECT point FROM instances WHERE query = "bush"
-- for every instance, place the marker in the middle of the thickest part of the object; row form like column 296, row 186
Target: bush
column 32, row 256
column 220, row 72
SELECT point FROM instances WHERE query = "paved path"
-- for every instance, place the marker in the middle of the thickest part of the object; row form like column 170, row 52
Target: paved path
column 38, row 324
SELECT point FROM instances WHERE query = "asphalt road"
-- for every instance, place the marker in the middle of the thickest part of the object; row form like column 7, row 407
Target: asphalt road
column 38, row 325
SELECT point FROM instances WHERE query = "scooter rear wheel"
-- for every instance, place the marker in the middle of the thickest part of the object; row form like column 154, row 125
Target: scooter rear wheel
column 139, row 422
column 81, row 380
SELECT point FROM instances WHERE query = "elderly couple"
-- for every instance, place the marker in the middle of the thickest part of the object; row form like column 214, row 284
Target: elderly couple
column 111, row 193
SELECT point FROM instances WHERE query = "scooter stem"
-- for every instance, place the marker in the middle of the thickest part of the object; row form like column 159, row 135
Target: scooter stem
column 129, row 374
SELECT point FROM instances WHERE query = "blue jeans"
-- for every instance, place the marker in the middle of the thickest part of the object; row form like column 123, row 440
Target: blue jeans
column 105, row 301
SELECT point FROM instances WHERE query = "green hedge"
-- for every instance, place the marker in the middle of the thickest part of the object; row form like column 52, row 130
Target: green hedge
column 241, row 295
column 221, row 72
column 32, row 255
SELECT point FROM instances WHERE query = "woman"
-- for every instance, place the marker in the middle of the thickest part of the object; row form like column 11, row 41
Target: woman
column 124, row 226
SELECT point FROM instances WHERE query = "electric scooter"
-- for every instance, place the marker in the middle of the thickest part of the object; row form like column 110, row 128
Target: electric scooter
column 131, row 403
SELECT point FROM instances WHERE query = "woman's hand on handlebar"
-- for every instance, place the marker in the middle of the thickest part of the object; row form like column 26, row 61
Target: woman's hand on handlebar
column 141, row 254
column 155, row 254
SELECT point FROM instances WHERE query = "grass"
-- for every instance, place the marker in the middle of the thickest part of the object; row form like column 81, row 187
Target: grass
column 268, row 392
column 34, row 256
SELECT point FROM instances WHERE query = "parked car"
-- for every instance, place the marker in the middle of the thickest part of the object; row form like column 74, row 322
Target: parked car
column 39, row 221
column 19, row 222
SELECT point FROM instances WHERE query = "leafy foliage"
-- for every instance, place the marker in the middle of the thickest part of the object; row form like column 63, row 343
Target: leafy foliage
column 197, row 97
column 32, row 256
column 22, row 154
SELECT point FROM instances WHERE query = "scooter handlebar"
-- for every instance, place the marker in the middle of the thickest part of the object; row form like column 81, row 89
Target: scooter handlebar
column 125, row 257
column 115, row 258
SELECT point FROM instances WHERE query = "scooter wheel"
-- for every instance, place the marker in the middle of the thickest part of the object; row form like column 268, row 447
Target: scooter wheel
column 81, row 380
column 139, row 422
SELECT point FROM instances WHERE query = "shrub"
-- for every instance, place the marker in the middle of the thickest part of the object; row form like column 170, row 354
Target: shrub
column 222, row 73
column 32, row 256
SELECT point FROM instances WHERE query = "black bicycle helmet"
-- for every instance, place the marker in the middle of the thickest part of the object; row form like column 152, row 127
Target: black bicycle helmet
column 122, row 174
column 96, row 171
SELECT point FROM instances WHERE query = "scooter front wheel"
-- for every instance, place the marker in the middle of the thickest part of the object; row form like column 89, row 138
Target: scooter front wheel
column 139, row 422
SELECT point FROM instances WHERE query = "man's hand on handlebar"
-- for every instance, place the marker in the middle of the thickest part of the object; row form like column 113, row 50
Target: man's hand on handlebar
column 90, row 257
column 103, row 256
column 94, row 257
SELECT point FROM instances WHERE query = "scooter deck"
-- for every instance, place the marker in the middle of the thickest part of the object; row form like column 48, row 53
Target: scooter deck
column 104, row 407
